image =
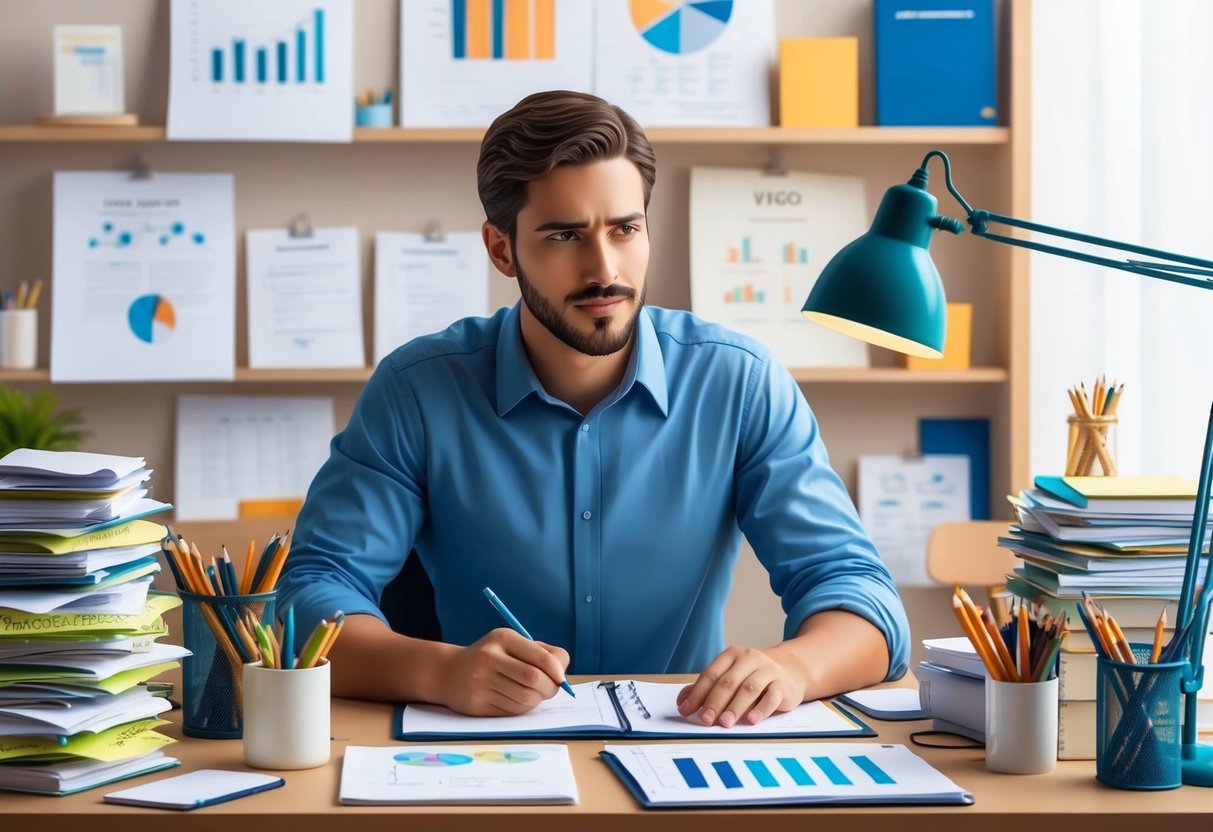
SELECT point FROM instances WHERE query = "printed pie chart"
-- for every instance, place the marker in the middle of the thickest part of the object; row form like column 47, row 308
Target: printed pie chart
column 506, row 756
column 431, row 759
column 681, row 27
column 152, row 318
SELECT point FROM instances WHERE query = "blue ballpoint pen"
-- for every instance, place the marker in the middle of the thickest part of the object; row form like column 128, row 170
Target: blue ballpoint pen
column 516, row 625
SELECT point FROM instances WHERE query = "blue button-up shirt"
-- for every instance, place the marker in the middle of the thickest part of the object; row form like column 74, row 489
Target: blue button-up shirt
column 612, row 534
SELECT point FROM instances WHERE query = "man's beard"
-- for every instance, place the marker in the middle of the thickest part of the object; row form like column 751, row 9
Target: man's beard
column 599, row 342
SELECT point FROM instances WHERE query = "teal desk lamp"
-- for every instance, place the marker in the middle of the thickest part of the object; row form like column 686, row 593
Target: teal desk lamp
column 884, row 289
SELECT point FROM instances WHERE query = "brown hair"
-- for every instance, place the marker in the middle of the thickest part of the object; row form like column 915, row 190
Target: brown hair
column 546, row 130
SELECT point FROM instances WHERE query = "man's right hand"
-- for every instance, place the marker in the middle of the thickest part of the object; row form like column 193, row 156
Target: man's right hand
column 503, row 674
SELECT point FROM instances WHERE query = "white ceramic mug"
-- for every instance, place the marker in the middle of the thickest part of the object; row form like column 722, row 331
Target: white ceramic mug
column 18, row 339
column 286, row 717
column 1021, row 726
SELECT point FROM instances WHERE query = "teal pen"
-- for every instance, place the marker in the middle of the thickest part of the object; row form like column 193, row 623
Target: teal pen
column 288, row 640
column 516, row 625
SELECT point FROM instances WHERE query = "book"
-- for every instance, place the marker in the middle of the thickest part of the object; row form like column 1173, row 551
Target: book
column 889, row 704
column 955, row 653
column 1136, row 611
column 946, row 46
column 1129, row 495
column 949, row 695
column 76, row 774
column 195, row 789
column 747, row 774
column 457, row 774
column 619, row 709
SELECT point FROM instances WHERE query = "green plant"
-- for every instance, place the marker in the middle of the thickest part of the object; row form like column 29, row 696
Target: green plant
column 35, row 422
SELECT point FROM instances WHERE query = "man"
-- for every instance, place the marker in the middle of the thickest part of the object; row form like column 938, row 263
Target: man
column 595, row 462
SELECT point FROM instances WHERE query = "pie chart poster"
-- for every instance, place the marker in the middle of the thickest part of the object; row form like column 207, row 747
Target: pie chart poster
column 144, row 282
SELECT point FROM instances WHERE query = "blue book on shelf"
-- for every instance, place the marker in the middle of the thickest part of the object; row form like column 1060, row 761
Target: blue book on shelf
column 936, row 63
column 967, row 437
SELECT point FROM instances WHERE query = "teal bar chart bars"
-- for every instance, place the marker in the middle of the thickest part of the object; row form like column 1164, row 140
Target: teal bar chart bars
column 248, row 59
column 782, row 772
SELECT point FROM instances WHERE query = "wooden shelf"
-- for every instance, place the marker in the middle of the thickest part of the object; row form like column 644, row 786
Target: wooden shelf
column 664, row 135
column 329, row 375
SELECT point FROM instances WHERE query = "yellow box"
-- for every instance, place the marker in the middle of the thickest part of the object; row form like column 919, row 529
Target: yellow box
column 956, row 348
column 819, row 82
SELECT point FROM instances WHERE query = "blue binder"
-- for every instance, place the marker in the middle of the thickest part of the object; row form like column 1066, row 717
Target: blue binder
column 968, row 437
column 936, row 63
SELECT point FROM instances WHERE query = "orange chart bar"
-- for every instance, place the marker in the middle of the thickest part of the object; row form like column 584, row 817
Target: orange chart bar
column 545, row 29
column 517, row 29
column 478, row 45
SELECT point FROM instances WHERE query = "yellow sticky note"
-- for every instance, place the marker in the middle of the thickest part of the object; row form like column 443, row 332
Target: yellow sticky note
column 819, row 82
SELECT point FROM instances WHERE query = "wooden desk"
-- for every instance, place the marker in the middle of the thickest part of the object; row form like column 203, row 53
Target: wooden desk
column 1069, row 799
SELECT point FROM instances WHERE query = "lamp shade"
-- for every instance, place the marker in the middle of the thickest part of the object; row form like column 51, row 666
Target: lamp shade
column 884, row 288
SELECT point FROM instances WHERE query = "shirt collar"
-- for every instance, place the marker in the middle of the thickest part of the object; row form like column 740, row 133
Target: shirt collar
column 516, row 379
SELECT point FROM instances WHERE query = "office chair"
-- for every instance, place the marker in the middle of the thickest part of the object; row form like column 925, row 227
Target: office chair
column 968, row 554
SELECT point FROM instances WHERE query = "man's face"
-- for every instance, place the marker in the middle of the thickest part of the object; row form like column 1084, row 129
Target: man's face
column 581, row 252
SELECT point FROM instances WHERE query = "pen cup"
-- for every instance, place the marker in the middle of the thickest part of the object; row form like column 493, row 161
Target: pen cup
column 18, row 339
column 373, row 115
column 211, row 681
column 1021, row 726
column 1137, row 730
column 286, row 716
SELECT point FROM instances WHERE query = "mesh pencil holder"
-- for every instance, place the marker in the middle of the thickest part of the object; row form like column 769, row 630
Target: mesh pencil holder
column 212, row 685
column 1137, row 732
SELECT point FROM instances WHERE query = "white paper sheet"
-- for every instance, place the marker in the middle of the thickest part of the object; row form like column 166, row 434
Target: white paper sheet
column 272, row 70
column 687, row 64
column 901, row 499
column 480, row 774
column 424, row 286
column 697, row 774
column 233, row 448
column 88, row 70
column 758, row 244
column 144, row 282
column 449, row 75
column 304, row 299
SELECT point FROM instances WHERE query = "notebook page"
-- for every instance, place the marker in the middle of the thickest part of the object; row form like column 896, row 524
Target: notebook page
column 591, row 709
column 659, row 700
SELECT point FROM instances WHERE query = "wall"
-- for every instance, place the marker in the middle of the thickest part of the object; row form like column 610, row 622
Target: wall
column 402, row 186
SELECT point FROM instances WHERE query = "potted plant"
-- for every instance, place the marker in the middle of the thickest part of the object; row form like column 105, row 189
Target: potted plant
column 36, row 422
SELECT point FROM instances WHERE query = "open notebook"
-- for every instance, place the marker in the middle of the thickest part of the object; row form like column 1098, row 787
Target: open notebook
column 616, row 710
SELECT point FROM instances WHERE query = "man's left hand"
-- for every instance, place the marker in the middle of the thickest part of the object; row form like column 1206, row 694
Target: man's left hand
column 742, row 684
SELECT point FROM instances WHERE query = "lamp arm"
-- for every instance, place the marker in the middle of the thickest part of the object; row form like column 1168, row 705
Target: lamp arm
column 1194, row 271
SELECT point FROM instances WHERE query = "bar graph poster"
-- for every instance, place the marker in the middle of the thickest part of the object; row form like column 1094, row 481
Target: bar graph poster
column 758, row 243
column 673, row 63
column 464, row 62
column 144, row 284
column 270, row 70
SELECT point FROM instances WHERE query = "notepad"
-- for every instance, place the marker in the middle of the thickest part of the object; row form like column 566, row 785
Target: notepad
column 744, row 774
column 204, row 787
column 620, row 709
column 463, row 774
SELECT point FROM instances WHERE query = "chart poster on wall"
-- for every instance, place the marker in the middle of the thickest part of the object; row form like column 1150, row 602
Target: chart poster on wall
column 758, row 243
column 270, row 70
column 464, row 62
column 676, row 64
column 144, row 282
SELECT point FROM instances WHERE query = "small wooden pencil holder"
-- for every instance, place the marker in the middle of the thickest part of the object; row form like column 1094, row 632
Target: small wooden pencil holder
column 1089, row 441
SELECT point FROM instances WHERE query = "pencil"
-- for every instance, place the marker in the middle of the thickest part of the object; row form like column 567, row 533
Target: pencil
column 246, row 579
column 1024, row 645
column 1156, row 650
column 307, row 656
column 334, row 631
column 979, row 642
column 270, row 579
column 22, row 293
column 32, row 301
column 1000, row 646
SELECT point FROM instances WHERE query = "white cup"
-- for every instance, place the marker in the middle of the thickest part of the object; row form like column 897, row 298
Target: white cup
column 18, row 339
column 1021, row 726
column 286, row 717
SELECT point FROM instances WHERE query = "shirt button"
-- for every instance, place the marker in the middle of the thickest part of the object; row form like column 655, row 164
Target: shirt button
column 589, row 598
column 585, row 515
column 585, row 428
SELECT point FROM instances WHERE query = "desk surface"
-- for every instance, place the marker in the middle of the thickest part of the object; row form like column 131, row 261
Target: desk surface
column 1069, row 799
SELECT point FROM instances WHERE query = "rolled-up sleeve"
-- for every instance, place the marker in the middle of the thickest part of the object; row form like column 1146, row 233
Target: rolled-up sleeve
column 363, row 510
column 797, row 515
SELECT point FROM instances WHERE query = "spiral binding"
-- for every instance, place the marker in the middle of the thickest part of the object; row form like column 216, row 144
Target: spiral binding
column 633, row 696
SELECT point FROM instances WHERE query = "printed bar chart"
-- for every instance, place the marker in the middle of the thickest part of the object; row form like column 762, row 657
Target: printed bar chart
column 791, row 769
column 278, row 50
column 514, row 30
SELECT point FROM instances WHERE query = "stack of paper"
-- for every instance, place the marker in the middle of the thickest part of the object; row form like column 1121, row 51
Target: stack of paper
column 78, row 625
column 1123, row 540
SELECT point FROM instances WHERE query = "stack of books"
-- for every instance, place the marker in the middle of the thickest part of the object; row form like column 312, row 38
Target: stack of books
column 1123, row 540
column 79, row 622
column 952, row 687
